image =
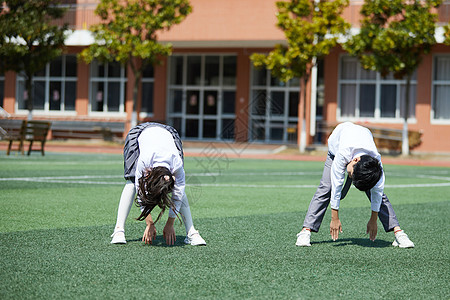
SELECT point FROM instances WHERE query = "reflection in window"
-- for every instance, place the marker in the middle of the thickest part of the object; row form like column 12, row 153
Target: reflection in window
column 212, row 64
column 55, row 97
column 229, row 100
column 277, row 103
column 367, row 100
column 229, row 70
column 192, row 128
column 54, row 87
column 388, row 104
column 209, row 128
column 177, row 98
column 441, row 88
column 273, row 108
column 202, row 95
column 210, row 105
column 107, row 87
column 147, row 82
column 192, row 104
column 365, row 94
column 194, row 70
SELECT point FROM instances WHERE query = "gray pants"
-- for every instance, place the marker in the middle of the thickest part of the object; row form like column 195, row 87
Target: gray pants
column 321, row 199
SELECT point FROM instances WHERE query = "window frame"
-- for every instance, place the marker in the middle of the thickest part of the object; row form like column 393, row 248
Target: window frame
column 47, row 79
column 378, row 82
column 122, row 80
column 270, row 120
column 435, row 83
column 201, row 88
column 148, row 80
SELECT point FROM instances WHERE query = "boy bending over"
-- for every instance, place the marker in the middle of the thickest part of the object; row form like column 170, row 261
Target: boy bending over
column 351, row 148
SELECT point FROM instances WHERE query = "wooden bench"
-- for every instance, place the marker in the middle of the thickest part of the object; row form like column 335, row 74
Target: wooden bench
column 29, row 131
column 385, row 138
column 107, row 131
column 388, row 138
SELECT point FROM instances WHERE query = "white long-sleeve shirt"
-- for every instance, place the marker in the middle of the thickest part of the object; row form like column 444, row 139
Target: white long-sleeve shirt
column 346, row 142
column 157, row 149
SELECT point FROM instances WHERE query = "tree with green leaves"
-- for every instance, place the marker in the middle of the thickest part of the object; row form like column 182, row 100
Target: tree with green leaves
column 312, row 29
column 393, row 38
column 128, row 34
column 29, row 40
column 447, row 34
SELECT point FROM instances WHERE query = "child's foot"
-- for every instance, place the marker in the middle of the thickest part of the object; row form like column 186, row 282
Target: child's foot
column 304, row 238
column 402, row 240
column 193, row 238
column 118, row 237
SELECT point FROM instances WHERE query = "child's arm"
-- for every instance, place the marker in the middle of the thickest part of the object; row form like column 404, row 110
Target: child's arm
column 169, row 232
column 372, row 227
column 150, row 230
column 335, row 224
column 178, row 192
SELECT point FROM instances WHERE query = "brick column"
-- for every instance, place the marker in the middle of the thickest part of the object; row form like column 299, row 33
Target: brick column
column 82, row 100
column 9, row 99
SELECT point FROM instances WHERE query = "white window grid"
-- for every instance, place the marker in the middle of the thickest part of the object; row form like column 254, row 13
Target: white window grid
column 184, row 88
column 378, row 82
column 436, row 83
column 47, row 79
column 272, row 121
column 147, row 80
column 122, row 80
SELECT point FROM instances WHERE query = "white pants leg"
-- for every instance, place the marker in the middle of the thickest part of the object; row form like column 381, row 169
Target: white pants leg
column 126, row 200
column 186, row 214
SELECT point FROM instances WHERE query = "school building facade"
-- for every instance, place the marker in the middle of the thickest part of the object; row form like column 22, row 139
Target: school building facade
column 209, row 90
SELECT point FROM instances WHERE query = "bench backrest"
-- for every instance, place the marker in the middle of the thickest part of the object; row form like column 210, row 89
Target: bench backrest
column 35, row 130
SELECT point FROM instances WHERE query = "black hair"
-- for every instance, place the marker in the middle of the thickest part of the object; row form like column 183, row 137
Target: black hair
column 155, row 187
column 366, row 173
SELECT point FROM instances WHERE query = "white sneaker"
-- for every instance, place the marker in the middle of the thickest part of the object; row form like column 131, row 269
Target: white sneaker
column 304, row 238
column 193, row 238
column 118, row 237
column 402, row 240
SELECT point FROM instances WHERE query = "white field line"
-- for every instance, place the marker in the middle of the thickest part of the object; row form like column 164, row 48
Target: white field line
column 26, row 163
column 86, row 179
column 433, row 177
column 256, row 174
column 312, row 186
column 58, row 177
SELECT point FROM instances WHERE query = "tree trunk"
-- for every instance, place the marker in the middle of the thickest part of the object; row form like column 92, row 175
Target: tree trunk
column 405, row 139
column 29, row 89
column 134, row 114
column 302, row 145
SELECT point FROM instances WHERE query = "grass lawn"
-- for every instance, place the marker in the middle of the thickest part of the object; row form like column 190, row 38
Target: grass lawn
column 58, row 211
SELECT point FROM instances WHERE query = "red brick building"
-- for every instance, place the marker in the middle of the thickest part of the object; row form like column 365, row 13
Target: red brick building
column 209, row 90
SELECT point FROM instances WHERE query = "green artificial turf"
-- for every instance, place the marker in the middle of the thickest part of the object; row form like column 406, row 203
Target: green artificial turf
column 58, row 211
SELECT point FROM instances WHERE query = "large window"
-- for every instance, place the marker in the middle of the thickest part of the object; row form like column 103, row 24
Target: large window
column 54, row 88
column 202, row 95
column 147, row 92
column 366, row 94
column 107, row 88
column 273, row 108
column 441, row 89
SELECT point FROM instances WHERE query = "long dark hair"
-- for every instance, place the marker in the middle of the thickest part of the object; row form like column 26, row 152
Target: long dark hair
column 155, row 188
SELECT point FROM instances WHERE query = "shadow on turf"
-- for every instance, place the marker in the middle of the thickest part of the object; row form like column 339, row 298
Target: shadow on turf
column 363, row 242
column 160, row 242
